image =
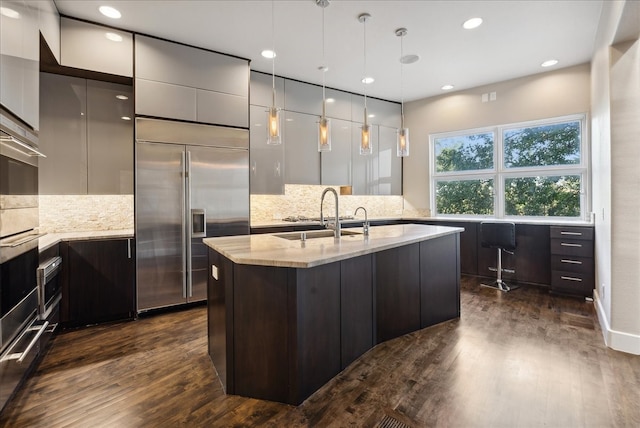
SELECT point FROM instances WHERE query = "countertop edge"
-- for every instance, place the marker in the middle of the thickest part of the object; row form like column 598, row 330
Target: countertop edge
column 50, row 239
column 383, row 244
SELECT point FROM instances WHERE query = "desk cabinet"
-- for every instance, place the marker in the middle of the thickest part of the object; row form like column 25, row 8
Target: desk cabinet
column 572, row 267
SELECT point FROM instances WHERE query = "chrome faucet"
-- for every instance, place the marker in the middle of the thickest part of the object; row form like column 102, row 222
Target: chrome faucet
column 336, row 225
column 365, row 225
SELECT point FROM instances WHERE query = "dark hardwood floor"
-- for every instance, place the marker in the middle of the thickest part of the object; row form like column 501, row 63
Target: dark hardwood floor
column 521, row 359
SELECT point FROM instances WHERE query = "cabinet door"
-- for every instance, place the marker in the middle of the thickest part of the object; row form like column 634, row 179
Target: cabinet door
column 101, row 281
column 389, row 164
column 338, row 104
column 397, row 291
column 439, row 280
column 384, row 113
column 336, row 164
column 63, row 136
column 261, row 92
column 266, row 161
column 168, row 62
column 151, row 100
column 20, row 61
column 302, row 97
column 97, row 48
column 49, row 20
column 221, row 109
column 110, row 138
column 364, row 168
column 302, row 159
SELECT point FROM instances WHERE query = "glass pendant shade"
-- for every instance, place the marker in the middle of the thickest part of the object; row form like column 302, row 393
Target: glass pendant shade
column 274, row 126
column 403, row 142
column 365, row 140
column 324, row 135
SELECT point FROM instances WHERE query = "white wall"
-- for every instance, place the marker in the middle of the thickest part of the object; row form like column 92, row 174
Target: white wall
column 616, row 176
column 554, row 93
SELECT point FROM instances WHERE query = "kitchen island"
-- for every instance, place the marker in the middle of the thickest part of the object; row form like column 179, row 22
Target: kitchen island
column 287, row 312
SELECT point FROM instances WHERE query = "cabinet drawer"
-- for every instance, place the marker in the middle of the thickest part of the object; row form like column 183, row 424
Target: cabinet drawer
column 567, row 263
column 572, row 232
column 572, row 282
column 572, row 247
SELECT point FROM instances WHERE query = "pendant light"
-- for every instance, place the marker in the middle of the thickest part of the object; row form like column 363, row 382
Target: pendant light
column 403, row 133
column 365, row 135
column 273, row 114
column 324, row 124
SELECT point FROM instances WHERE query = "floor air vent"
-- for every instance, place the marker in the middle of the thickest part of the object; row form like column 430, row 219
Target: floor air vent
column 391, row 422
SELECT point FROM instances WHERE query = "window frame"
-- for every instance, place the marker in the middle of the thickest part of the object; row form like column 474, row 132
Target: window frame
column 499, row 173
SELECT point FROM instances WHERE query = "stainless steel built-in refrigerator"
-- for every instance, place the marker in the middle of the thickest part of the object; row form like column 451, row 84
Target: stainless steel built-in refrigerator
column 192, row 181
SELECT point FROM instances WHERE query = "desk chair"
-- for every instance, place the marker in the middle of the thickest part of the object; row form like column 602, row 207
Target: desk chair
column 502, row 236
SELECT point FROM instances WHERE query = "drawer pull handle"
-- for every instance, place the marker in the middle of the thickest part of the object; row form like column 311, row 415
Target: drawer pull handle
column 570, row 278
column 565, row 244
column 573, row 262
column 571, row 233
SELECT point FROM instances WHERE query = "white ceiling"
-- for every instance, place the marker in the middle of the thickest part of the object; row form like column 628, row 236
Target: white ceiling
column 515, row 38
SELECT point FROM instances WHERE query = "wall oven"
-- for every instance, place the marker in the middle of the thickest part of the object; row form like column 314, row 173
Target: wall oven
column 20, row 328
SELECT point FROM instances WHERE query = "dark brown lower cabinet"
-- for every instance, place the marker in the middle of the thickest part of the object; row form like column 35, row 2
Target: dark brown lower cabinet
column 397, row 291
column 280, row 333
column 439, row 281
column 99, row 281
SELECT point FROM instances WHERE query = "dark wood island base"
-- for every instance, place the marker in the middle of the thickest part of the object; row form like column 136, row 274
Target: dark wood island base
column 280, row 333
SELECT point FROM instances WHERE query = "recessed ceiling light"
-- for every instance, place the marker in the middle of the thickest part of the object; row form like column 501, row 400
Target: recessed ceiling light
column 472, row 23
column 549, row 63
column 9, row 13
column 371, row 115
column 122, row 97
column 368, row 80
column 447, row 87
column 125, row 118
column 410, row 59
column 110, row 12
column 113, row 37
column 330, row 100
column 267, row 53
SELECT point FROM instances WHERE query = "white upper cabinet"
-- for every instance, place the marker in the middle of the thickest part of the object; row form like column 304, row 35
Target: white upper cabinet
column 96, row 48
column 302, row 97
column 379, row 112
column 20, row 60
column 182, row 82
column 50, row 26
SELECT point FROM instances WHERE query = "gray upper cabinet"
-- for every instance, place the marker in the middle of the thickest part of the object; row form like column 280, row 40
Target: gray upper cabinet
column 96, row 48
column 182, row 82
column 379, row 112
column 20, row 61
column 63, row 135
column 86, row 136
column 389, row 164
column 302, row 159
column 110, row 139
column 338, row 104
column 266, row 161
column 302, row 97
column 50, row 26
column 261, row 92
column 336, row 164
column 364, row 167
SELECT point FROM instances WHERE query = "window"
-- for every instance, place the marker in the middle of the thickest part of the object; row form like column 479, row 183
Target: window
column 535, row 169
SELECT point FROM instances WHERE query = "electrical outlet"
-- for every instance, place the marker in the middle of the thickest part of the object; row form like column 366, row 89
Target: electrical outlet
column 604, row 289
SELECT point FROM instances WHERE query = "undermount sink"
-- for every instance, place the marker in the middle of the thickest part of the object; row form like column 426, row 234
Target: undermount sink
column 312, row 234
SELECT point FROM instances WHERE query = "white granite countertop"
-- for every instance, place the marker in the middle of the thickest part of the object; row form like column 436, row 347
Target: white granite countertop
column 51, row 239
column 272, row 250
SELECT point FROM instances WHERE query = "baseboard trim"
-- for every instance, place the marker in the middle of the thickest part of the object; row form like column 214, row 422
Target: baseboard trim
column 618, row 340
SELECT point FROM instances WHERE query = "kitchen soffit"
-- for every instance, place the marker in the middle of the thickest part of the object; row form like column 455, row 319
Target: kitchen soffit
column 514, row 39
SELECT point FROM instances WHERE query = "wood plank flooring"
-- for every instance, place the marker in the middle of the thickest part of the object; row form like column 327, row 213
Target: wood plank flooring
column 521, row 359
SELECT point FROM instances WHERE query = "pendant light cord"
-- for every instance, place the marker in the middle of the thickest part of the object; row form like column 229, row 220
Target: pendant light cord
column 365, row 68
column 273, row 58
column 324, row 70
column 401, row 82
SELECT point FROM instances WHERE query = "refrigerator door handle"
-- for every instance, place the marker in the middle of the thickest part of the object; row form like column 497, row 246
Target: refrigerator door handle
column 198, row 223
column 185, row 175
column 188, row 226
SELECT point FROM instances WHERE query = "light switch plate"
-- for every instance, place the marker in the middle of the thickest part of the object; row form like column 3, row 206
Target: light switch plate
column 214, row 272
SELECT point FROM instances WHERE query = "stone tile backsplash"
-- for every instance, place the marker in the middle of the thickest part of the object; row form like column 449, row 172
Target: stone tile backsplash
column 71, row 213
column 304, row 200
